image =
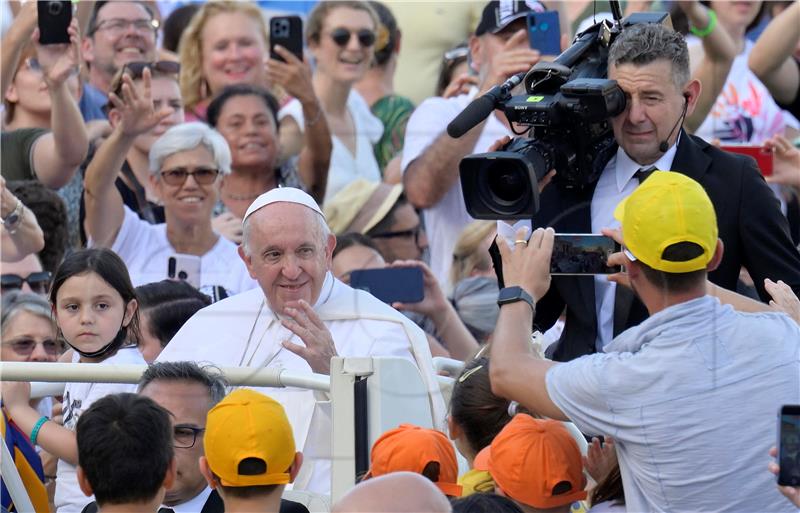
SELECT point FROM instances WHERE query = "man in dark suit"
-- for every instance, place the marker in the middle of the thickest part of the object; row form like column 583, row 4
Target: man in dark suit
column 651, row 64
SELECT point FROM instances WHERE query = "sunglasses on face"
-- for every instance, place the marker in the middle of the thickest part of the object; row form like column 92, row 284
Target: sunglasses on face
column 26, row 346
column 38, row 282
column 178, row 176
column 341, row 36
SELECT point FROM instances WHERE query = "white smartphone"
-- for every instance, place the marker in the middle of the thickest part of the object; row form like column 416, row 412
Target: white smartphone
column 185, row 268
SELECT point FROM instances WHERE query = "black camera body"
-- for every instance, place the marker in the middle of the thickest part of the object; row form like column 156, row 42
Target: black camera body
column 568, row 106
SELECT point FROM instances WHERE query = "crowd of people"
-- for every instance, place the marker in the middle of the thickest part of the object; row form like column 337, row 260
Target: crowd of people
column 178, row 192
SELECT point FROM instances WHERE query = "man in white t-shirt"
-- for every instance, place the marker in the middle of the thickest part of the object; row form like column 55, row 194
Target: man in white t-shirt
column 691, row 405
column 499, row 49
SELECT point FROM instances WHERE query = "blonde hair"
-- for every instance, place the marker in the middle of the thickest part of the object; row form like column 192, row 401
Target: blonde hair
column 194, row 87
column 467, row 254
column 317, row 16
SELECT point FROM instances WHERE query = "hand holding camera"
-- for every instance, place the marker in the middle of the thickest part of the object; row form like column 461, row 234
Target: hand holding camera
column 58, row 61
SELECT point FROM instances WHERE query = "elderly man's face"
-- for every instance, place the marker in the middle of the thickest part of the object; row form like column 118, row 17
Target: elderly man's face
column 188, row 403
column 287, row 253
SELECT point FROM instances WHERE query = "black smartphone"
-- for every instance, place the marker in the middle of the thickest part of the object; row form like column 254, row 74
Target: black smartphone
column 286, row 31
column 54, row 19
column 390, row 285
column 789, row 445
column 583, row 253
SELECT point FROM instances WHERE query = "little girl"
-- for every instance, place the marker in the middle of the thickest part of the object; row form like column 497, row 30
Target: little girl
column 96, row 312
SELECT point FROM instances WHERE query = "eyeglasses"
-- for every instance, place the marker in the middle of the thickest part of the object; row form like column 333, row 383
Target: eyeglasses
column 116, row 26
column 341, row 36
column 178, row 176
column 38, row 282
column 25, row 346
column 137, row 68
column 184, row 437
column 33, row 64
column 414, row 232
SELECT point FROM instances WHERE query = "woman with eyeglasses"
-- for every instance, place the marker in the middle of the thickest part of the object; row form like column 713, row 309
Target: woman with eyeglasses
column 226, row 44
column 341, row 37
column 186, row 166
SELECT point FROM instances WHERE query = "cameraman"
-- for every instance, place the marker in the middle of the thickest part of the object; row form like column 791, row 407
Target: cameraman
column 651, row 64
column 498, row 50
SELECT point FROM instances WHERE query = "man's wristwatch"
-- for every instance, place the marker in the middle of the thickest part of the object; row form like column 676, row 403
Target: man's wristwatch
column 513, row 294
column 12, row 221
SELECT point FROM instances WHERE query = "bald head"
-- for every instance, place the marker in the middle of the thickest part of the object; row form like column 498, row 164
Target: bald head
column 398, row 492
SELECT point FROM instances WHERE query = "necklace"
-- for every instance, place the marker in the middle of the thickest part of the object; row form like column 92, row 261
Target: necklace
column 241, row 197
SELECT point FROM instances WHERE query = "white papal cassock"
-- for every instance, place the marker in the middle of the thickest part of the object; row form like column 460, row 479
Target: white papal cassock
column 243, row 331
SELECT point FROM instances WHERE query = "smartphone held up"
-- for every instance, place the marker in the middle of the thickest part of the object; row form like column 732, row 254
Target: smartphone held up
column 54, row 18
column 582, row 253
column 789, row 445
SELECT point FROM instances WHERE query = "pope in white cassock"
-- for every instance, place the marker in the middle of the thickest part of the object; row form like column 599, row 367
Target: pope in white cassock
column 299, row 318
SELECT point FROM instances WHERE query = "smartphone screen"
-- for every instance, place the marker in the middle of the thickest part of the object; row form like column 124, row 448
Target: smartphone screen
column 763, row 156
column 54, row 17
column 582, row 253
column 390, row 285
column 789, row 445
column 544, row 32
column 286, row 31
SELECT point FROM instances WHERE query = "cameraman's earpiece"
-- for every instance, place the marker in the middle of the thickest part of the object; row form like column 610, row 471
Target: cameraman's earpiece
column 664, row 145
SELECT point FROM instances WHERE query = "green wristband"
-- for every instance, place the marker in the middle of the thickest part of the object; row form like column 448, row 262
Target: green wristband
column 36, row 428
column 712, row 23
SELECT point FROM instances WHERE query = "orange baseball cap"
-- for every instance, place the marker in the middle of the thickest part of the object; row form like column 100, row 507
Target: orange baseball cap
column 411, row 448
column 535, row 462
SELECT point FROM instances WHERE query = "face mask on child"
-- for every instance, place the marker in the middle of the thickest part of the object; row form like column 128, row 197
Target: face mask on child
column 112, row 346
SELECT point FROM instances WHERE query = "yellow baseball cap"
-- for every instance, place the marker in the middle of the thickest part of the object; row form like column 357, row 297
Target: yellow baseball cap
column 247, row 424
column 668, row 208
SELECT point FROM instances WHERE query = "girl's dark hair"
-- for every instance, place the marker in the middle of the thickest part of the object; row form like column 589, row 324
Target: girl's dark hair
column 169, row 304
column 110, row 267
column 479, row 413
column 232, row 91
column 351, row 239
column 387, row 33
column 484, row 503
column 451, row 59
column 609, row 489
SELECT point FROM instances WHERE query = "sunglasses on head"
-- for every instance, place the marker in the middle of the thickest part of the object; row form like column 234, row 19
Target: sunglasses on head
column 25, row 346
column 178, row 175
column 38, row 282
column 136, row 68
column 341, row 36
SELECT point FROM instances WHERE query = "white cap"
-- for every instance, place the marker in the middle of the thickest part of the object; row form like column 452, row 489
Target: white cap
column 286, row 195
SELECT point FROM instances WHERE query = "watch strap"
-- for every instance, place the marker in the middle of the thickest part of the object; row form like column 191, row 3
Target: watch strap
column 514, row 294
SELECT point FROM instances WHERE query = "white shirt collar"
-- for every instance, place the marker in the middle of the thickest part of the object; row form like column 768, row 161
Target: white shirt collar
column 626, row 167
column 194, row 504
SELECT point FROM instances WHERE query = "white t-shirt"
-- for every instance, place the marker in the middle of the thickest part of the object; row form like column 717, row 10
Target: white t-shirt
column 346, row 167
column 445, row 220
column 745, row 110
column 145, row 249
column 77, row 399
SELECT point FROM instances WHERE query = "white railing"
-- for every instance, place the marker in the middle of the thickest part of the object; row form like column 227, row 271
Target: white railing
column 389, row 402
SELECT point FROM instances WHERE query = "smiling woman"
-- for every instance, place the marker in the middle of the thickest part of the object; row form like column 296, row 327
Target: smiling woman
column 186, row 164
column 341, row 35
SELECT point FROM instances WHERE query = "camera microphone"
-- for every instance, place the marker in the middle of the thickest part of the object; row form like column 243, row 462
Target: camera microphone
column 664, row 145
column 481, row 107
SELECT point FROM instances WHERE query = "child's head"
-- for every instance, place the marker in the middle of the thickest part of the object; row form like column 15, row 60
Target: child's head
column 476, row 414
column 536, row 463
column 125, row 450
column 249, row 446
column 95, row 303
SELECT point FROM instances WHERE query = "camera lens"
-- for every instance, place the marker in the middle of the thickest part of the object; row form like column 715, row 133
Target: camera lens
column 54, row 8
column 506, row 184
column 182, row 275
